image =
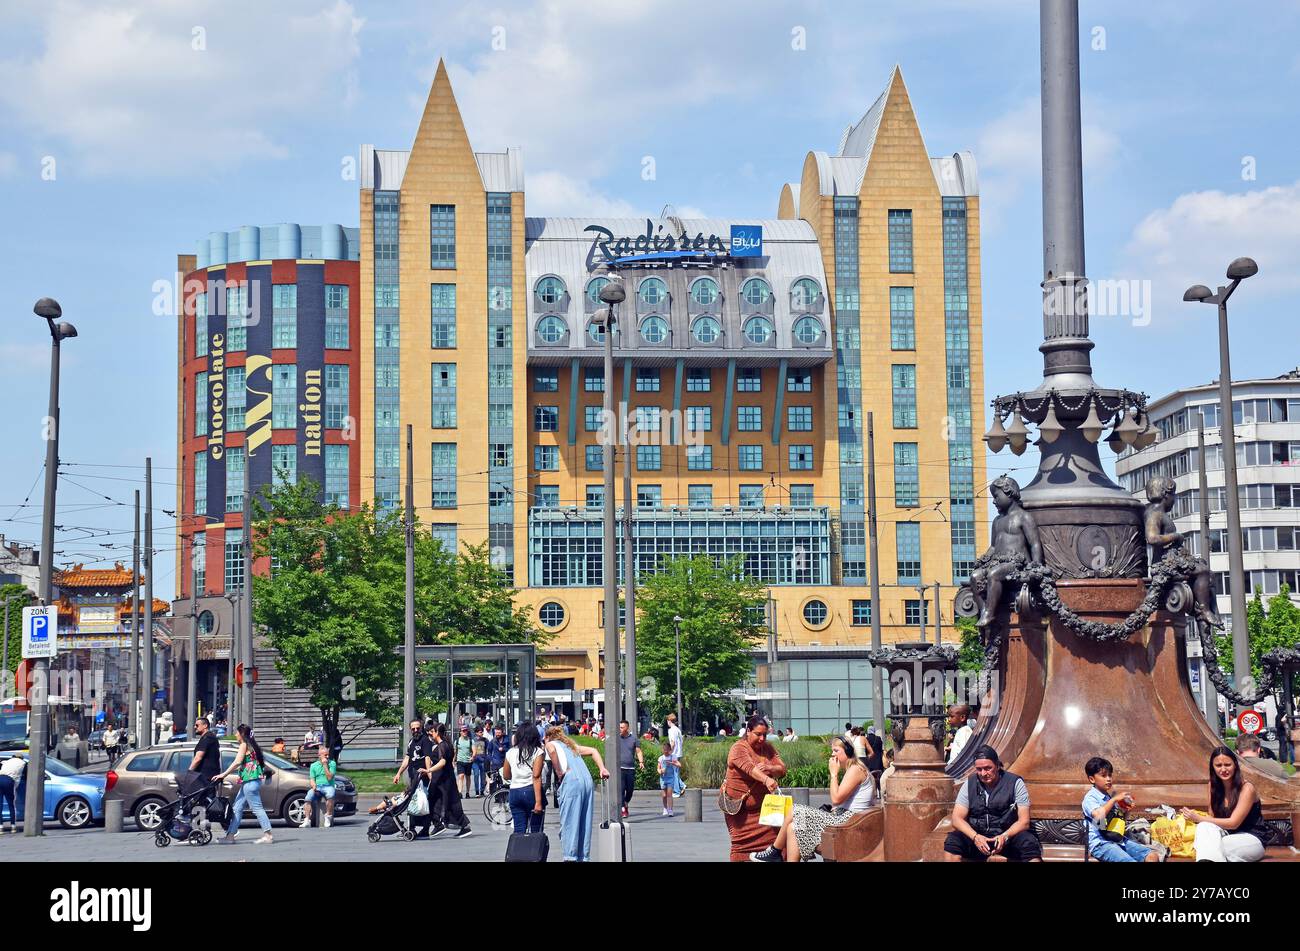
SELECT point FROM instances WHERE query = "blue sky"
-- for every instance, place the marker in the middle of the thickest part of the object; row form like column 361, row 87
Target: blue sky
column 128, row 130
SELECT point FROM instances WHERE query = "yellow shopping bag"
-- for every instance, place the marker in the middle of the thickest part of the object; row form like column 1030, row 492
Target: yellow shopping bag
column 774, row 810
column 1177, row 834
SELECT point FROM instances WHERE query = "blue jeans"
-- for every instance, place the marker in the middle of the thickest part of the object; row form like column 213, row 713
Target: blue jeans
column 522, row 801
column 250, row 793
column 1126, row 851
column 480, row 778
column 7, row 797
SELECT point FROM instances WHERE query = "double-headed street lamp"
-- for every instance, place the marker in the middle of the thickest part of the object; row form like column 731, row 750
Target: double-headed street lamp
column 1238, row 271
column 49, row 310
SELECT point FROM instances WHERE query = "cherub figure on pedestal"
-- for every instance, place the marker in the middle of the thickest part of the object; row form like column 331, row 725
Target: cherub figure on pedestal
column 1015, row 543
column 1168, row 546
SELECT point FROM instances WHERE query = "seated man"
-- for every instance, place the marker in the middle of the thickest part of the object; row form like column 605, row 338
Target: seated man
column 321, row 778
column 1249, row 748
column 991, row 817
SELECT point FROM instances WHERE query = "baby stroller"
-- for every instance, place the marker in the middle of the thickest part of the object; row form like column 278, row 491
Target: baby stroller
column 389, row 819
column 179, row 822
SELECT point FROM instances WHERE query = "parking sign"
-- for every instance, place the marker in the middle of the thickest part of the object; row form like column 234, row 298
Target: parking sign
column 40, row 632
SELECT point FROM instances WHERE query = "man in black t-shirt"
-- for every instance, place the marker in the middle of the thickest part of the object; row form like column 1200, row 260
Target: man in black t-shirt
column 207, row 759
column 419, row 753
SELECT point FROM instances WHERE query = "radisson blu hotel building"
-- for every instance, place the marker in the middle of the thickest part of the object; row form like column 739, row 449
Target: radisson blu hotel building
column 748, row 354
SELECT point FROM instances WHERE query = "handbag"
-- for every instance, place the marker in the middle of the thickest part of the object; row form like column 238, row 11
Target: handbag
column 774, row 810
column 419, row 802
column 1113, row 831
column 526, row 847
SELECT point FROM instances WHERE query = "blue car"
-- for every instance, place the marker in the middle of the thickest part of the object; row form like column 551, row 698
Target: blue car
column 75, row 799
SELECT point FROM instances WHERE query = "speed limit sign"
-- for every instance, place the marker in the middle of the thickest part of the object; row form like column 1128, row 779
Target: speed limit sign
column 1250, row 721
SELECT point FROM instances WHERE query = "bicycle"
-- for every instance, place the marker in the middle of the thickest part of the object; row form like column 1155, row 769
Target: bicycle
column 496, row 803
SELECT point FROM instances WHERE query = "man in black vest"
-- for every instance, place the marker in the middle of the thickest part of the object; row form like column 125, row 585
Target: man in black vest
column 991, row 816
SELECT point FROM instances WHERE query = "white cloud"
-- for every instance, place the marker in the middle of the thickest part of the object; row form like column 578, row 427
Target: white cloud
column 1192, row 240
column 557, row 194
column 124, row 88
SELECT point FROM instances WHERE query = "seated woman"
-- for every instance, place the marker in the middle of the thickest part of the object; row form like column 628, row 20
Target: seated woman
column 1234, row 831
column 801, row 834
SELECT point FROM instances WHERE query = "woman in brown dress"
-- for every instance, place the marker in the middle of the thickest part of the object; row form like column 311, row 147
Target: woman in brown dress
column 753, row 768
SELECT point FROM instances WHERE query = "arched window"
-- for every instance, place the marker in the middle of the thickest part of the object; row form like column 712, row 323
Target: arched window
column 653, row 291
column 706, row 330
column 550, row 291
column 758, row 330
column 654, row 330
column 808, row 330
column 756, row 291
column 593, row 290
column 815, row 613
column 704, row 291
column 804, row 292
column 551, row 614
column 551, row 329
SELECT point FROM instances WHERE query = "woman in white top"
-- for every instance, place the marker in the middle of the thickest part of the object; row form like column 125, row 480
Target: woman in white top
column 801, row 834
column 523, row 770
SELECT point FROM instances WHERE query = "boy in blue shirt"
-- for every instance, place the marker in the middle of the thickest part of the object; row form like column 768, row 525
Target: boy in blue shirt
column 1103, row 803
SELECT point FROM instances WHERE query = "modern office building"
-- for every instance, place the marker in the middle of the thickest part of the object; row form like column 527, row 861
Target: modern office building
column 1266, row 425
column 748, row 354
column 269, row 352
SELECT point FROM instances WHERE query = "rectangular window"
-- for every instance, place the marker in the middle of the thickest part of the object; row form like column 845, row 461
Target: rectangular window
column 647, row 380
column 749, row 419
column 336, row 476
column 698, row 380
column 443, row 404
column 907, row 489
column 199, row 564
column 591, row 418
column 800, row 419
column 546, row 419
column 234, row 478
column 699, row 419
column 500, row 376
column 699, row 458
column 916, row 612
column 201, row 324
column 201, row 483
column 595, row 459
column 201, row 405
column 284, row 465
column 902, row 318
column 908, row 539
column 749, row 380
column 236, row 399
column 900, row 241
column 546, row 458
column 284, row 316
column 750, row 457
column 500, row 455
column 648, row 419
column 593, row 381
column 649, row 458
column 799, row 381
column 751, row 496
column 234, row 559
column 499, row 415
column 801, row 458
column 595, row 496
column 336, row 317
column 284, row 396
column 336, row 394
column 548, row 497
column 442, row 316
column 442, row 236
column 649, row 496
column 801, row 496
column 443, row 469
column 546, row 381
column 904, row 396
column 236, row 313
column 861, row 612
column 700, row 496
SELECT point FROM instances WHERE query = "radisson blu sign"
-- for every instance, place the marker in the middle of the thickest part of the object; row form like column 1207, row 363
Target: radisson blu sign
column 746, row 241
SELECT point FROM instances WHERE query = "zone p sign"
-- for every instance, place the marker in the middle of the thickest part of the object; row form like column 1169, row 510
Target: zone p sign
column 1250, row 721
column 40, row 631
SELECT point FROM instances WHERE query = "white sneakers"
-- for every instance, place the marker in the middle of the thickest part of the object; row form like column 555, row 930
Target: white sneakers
column 329, row 821
column 265, row 839
column 305, row 824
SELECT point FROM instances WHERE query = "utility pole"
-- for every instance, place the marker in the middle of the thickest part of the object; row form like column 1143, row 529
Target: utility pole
column 134, row 703
column 629, row 583
column 877, row 673
column 146, row 633
column 250, row 659
column 408, row 669
column 1209, row 696
column 938, row 617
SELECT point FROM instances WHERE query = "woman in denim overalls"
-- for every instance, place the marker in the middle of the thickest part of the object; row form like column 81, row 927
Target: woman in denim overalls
column 576, row 792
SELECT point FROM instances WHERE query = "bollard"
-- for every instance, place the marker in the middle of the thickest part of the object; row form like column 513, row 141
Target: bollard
column 694, row 805
column 113, row 815
column 800, row 795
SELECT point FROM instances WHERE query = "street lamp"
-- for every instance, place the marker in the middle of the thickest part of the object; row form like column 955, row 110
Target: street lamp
column 48, row 309
column 677, row 638
column 1238, row 271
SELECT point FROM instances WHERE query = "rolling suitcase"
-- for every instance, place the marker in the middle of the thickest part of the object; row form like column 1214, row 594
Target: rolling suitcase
column 613, row 842
column 526, row 847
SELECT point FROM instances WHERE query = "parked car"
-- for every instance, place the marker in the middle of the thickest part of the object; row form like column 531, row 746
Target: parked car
column 146, row 779
column 75, row 799
column 95, row 740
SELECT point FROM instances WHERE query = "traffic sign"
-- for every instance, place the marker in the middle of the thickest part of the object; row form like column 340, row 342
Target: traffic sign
column 40, row 631
column 1250, row 721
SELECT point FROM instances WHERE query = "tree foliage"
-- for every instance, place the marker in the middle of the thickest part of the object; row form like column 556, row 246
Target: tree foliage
column 19, row 598
column 970, row 657
column 721, row 613
column 1269, row 628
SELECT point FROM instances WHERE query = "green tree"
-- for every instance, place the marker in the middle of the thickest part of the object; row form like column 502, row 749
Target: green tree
column 971, row 655
column 1271, row 627
column 721, row 611
column 19, row 598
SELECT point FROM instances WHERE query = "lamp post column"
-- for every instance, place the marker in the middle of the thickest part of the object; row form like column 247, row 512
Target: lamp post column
column 1236, row 565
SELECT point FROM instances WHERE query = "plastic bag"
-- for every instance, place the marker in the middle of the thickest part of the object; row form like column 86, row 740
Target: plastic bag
column 1176, row 834
column 774, row 810
column 419, row 802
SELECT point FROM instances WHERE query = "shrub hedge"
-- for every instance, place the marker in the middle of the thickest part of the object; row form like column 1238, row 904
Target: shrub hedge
column 704, row 761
